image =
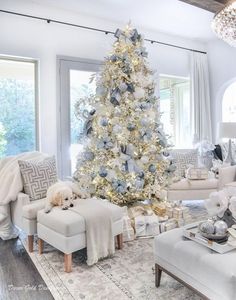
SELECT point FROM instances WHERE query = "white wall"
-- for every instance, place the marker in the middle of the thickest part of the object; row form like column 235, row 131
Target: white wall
column 36, row 39
column 222, row 66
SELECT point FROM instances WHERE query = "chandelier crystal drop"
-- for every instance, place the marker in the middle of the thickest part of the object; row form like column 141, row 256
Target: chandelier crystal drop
column 224, row 24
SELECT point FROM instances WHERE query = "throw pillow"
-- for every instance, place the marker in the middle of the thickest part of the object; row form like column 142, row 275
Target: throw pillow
column 224, row 149
column 38, row 176
column 183, row 160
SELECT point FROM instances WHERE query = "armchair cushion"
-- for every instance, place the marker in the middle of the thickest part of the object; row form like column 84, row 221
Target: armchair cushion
column 30, row 211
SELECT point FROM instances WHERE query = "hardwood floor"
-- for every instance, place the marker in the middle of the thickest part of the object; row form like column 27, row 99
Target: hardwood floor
column 19, row 278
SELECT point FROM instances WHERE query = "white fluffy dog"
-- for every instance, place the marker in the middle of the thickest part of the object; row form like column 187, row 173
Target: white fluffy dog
column 59, row 194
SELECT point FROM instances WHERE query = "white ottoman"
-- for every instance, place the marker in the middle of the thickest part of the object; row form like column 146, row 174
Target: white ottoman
column 65, row 230
column 209, row 274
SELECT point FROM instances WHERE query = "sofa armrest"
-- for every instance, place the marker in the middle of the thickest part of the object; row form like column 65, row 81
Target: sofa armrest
column 226, row 175
column 17, row 208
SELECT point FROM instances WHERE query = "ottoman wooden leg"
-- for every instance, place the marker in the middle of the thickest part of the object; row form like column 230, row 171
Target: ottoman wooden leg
column 158, row 272
column 40, row 245
column 120, row 241
column 30, row 243
column 67, row 262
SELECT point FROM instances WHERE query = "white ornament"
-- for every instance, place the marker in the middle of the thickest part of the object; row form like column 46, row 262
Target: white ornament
column 139, row 93
column 117, row 128
column 144, row 159
column 111, row 175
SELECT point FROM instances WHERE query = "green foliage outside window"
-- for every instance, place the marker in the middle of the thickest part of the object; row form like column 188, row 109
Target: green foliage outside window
column 17, row 116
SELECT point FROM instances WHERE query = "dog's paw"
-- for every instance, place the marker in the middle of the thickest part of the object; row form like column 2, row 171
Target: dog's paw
column 47, row 210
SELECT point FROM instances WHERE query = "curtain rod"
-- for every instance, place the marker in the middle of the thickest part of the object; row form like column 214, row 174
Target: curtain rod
column 95, row 29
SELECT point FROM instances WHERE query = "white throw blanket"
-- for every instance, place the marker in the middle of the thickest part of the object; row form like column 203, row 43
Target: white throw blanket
column 98, row 225
column 10, row 185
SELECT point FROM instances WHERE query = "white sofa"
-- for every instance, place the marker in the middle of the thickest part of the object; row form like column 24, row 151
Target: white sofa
column 209, row 274
column 200, row 189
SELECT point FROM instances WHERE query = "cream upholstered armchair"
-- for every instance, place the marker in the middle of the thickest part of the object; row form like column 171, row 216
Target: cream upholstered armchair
column 24, row 215
column 36, row 175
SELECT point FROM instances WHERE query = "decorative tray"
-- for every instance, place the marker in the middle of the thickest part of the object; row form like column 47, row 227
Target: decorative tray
column 191, row 232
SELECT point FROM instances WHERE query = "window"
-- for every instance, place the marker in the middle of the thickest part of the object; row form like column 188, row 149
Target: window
column 176, row 110
column 80, row 87
column 74, row 85
column 229, row 104
column 18, row 129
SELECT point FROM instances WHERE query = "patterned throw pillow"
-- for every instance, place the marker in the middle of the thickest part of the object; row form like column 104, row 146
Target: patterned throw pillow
column 182, row 160
column 38, row 176
column 224, row 149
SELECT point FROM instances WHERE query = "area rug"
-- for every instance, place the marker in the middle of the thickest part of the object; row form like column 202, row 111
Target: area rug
column 127, row 275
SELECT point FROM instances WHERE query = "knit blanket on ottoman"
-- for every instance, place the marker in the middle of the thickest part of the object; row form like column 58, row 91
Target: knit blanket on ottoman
column 98, row 225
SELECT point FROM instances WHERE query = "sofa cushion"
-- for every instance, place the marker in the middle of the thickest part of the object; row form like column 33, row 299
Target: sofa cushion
column 38, row 176
column 30, row 210
column 65, row 222
column 185, row 184
column 196, row 264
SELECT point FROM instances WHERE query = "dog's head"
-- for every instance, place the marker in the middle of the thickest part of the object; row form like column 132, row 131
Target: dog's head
column 64, row 198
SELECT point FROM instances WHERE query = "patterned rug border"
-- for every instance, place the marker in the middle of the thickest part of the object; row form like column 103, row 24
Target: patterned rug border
column 58, row 290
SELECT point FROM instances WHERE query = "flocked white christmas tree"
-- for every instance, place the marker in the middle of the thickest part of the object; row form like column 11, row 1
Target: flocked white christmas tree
column 123, row 158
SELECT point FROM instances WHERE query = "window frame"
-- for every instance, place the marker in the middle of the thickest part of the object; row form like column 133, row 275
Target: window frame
column 36, row 91
column 232, row 82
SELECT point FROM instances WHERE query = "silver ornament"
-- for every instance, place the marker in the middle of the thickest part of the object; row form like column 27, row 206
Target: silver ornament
column 152, row 169
column 220, row 227
column 130, row 126
column 207, row 227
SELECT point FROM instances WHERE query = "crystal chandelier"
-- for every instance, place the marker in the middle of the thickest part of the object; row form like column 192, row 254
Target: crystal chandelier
column 224, row 23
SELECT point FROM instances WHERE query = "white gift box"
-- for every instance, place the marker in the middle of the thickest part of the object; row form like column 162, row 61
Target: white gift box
column 128, row 235
column 197, row 173
column 169, row 212
column 147, row 226
column 128, row 231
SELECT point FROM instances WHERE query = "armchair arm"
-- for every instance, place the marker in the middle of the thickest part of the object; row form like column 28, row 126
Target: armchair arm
column 17, row 208
column 23, row 199
column 226, row 175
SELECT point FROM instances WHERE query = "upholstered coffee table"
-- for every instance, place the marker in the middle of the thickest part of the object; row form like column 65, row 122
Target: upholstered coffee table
column 209, row 274
column 65, row 230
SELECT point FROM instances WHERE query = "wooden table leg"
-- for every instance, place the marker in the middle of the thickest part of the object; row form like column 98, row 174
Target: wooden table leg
column 158, row 272
column 40, row 245
column 120, row 241
column 68, row 262
column 30, row 243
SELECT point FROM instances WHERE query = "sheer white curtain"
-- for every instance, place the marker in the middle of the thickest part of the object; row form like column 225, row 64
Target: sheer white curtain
column 182, row 116
column 200, row 92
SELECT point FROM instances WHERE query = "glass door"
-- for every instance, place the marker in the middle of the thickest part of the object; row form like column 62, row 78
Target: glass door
column 75, row 86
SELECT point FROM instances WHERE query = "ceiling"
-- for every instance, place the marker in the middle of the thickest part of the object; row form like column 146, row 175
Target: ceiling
column 210, row 5
column 168, row 16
